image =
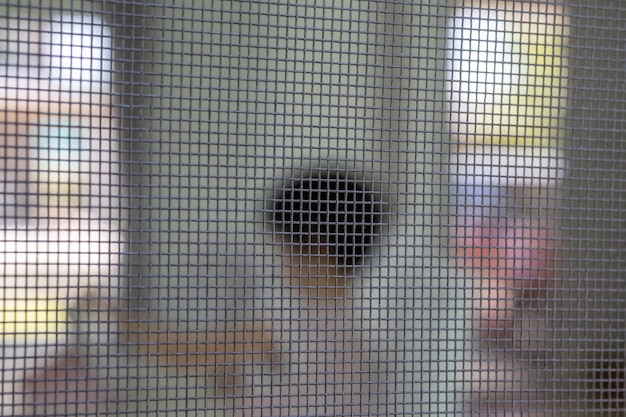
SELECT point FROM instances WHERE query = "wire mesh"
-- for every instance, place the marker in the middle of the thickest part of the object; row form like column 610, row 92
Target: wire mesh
column 291, row 208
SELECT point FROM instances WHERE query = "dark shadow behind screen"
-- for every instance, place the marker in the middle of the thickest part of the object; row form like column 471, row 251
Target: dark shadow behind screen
column 312, row 208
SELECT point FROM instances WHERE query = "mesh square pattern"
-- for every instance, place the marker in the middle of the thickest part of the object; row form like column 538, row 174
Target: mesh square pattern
column 327, row 208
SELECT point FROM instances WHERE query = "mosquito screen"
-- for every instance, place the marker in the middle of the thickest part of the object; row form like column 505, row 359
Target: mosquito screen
column 313, row 208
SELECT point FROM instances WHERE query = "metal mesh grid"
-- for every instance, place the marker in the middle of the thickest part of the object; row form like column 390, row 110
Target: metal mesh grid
column 312, row 208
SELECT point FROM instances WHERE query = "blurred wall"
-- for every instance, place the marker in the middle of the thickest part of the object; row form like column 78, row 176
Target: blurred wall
column 238, row 98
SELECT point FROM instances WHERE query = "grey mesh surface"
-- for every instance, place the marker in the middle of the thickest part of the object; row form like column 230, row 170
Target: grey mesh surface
column 327, row 208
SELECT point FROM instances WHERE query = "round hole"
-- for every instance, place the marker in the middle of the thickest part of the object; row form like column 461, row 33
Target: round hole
column 331, row 209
